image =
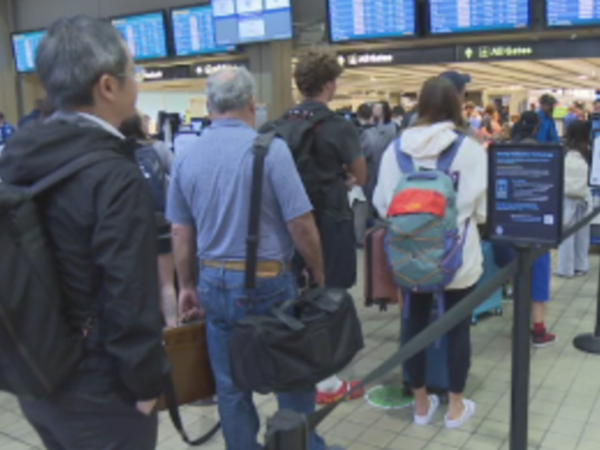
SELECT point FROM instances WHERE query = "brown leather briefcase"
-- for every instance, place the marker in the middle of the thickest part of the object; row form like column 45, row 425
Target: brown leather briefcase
column 192, row 374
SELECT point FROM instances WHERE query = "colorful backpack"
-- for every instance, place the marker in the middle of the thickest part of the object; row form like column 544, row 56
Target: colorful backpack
column 424, row 246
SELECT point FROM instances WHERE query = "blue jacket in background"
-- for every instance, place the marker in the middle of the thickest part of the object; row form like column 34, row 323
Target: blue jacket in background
column 547, row 132
column 6, row 131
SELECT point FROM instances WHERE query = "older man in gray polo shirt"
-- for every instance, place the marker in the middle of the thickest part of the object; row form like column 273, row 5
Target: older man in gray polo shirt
column 209, row 206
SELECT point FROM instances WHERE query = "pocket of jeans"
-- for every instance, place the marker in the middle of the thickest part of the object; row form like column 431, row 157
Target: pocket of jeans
column 268, row 293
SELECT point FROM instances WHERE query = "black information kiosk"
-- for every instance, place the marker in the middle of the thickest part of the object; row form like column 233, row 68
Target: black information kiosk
column 525, row 204
column 526, row 185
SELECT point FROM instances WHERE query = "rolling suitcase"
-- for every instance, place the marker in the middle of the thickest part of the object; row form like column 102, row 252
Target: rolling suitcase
column 494, row 303
column 379, row 280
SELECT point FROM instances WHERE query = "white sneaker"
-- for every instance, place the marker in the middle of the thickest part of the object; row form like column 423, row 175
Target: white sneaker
column 434, row 404
column 468, row 412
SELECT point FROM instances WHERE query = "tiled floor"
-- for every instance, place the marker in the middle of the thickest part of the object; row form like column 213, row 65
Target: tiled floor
column 565, row 387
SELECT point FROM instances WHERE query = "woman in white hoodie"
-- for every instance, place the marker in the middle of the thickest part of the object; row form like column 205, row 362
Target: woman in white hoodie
column 440, row 118
column 573, row 259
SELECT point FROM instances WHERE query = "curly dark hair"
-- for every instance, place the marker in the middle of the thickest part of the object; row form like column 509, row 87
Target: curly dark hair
column 314, row 70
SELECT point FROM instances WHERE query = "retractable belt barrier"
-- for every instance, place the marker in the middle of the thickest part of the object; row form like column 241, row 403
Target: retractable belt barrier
column 289, row 431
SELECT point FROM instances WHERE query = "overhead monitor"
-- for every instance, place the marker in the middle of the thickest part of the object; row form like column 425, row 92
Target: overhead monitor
column 572, row 13
column 25, row 46
column 248, row 21
column 145, row 34
column 361, row 20
column 467, row 16
column 194, row 31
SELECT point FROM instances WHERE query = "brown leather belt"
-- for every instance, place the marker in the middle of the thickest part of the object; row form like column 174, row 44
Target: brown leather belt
column 264, row 269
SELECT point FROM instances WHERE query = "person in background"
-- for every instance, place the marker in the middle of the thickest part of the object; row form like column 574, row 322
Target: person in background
column 100, row 224
column 527, row 131
column 356, row 196
column 209, row 208
column 136, row 130
column 472, row 115
column 490, row 125
column 547, row 132
column 6, row 129
column 440, row 121
column 573, row 115
column 398, row 113
column 573, row 254
column 35, row 115
column 339, row 159
column 382, row 115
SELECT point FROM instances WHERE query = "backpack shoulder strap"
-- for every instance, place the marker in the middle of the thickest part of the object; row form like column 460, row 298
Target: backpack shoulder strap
column 405, row 161
column 66, row 171
column 447, row 157
column 260, row 151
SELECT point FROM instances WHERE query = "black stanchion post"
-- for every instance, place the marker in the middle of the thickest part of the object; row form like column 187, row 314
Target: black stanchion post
column 590, row 342
column 287, row 430
column 521, row 352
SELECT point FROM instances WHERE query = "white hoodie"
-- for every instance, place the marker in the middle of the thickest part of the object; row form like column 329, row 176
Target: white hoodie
column 424, row 144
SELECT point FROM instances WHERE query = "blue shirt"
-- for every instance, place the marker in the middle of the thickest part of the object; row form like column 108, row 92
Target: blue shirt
column 547, row 132
column 210, row 188
column 6, row 131
column 569, row 119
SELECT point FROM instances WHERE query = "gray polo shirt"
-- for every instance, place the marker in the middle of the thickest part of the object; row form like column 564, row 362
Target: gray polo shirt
column 210, row 188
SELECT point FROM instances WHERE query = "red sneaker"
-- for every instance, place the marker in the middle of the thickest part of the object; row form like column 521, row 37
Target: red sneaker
column 544, row 339
column 327, row 398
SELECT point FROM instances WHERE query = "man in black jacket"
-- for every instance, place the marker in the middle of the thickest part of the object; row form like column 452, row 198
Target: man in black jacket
column 100, row 224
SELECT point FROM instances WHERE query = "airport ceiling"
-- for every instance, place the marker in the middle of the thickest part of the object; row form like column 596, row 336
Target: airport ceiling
column 512, row 75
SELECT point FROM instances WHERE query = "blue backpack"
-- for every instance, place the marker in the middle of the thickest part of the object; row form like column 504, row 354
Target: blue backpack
column 424, row 246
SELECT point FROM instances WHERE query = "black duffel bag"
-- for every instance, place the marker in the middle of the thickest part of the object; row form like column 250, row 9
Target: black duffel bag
column 305, row 340
column 303, row 343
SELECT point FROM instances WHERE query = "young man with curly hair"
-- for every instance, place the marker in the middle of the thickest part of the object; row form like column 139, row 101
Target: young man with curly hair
column 340, row 165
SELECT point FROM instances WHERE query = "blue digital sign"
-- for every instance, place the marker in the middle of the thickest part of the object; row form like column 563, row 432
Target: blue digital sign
column 25, row 47
column 360, row 19
column 463, row 16
column 247, row 21
column 194, row 31
column 145, row 35
column 526, row 192
column 567, row 13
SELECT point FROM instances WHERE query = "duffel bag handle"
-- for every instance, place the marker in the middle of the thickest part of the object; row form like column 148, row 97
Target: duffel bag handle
column 280, row 311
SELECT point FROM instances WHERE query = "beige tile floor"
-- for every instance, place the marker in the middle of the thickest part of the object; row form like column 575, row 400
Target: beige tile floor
column 565, row 387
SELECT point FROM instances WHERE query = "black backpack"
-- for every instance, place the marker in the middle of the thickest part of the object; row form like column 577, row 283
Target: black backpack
column 38, row 348
column 298, row 128
column 155, row 174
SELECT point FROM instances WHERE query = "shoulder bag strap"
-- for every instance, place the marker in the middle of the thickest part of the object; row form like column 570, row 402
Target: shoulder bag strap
column 260, row 150
column 405, row 161
column 171, row 400
column 68, row 170
column 447, row 157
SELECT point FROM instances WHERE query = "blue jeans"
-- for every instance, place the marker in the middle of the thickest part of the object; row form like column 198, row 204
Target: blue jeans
column 226, row 301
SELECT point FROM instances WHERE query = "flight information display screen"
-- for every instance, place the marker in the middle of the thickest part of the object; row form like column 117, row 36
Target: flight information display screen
column 567, row 13
column 463, row 16
column 247, row 21
column 194, row 31
column 145, row 34
column 25, row 46
column 370, row 19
